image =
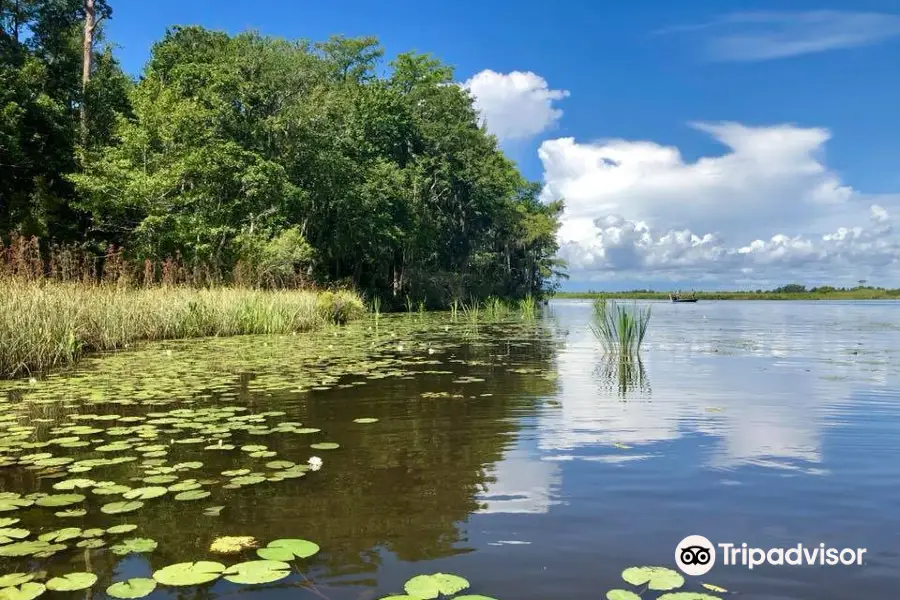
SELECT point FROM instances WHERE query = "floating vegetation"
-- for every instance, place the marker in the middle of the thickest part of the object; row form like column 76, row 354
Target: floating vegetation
column 257, row 571
column 132, row 588
column 233, row 544
column 26, row 591
column 437, row 585
column 365, row 420
column 134, row 546
column 620, row 329
column 72, row 582
column 288, row 549
column 658, row 579
column 189, row 573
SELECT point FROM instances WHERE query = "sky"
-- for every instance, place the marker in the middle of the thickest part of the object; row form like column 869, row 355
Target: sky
column 697, row 144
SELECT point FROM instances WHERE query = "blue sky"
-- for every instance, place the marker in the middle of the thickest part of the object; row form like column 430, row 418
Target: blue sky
column 695, row 144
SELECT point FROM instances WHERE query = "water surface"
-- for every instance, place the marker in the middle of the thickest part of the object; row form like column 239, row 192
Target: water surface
column 511, row 453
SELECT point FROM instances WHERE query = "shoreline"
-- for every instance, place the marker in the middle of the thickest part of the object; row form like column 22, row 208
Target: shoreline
column 773, row 296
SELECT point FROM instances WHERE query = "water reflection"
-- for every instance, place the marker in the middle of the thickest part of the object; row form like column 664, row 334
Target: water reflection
column 624, row 375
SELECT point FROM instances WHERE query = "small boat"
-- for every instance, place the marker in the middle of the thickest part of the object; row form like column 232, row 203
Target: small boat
column 678, row 297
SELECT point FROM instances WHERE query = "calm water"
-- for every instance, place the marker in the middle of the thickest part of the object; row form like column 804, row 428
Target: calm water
column 516, row 456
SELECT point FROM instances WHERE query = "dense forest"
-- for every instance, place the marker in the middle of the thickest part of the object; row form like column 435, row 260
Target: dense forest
column 318, row 161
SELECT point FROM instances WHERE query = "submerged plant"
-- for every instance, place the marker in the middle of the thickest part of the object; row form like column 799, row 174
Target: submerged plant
column 621, row 329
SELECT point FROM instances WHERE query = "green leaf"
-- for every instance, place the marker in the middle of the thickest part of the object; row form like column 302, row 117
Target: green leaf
column 687, row 596
column 621, row 595
column 145, row 493
column 14, row 579
column 73, row 512
column 212, row 511
column 298, row 548
column 7, row 521
column 60, row 535
column 656, row 578
column 189, row 573
column 365, row 420
column 11, row 504
column 72, row 582
column 114, row 508
column 134, row 545
column 8, row 534
column 257, row 571
column 714, row 588
column 192, row 495
column 91, row 543
column 137, row 587
column 422, row 586
column 124, row 528
column 27, row 591
column 450, row 584
column 329, row 446
column 25, row 548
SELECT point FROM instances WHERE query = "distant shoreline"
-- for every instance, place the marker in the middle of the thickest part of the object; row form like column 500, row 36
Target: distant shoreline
column 853, row 294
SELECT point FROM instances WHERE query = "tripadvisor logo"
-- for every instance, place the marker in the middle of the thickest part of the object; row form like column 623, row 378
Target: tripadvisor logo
column 696, row 555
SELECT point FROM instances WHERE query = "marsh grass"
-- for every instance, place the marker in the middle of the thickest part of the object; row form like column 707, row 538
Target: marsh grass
column 528, row 308
column 46, row 324
column 495, row 309
column 621, row 329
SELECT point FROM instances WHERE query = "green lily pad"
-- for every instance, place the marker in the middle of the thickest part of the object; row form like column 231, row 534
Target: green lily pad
column 329, row 446
column 74, row 512
column 15, row 503
column 93, row 533
column 137, row 587
column 257, row 571
column 25, row 548
column 621, row 595
column 189, row 573
column 288, row 549
column 450, row 584
column 60, row 535
column 160, row 479
column 365, row 420
column 280, row 464
column 72, row 582
column 114, row 508
column 192, row 495
column 7, row 521
column 72, row 484
column 14, row 579
column 26, row 591
column 134, row 545
column 248, row 480
column 110, row 490
column 687, row 596
column 91, row 543
column 236, row 472
column 656, row 578
column 8, row 534
column 145, row 493
column 254, row 448
column 185, row 486
column 714, row 588
column 124, row 528
column 422, row 586
column 212, row 511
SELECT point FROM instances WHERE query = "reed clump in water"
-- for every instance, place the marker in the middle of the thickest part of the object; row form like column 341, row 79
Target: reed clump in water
column 620, row 328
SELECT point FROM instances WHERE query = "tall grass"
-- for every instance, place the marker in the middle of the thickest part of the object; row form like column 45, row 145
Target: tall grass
column 495, row 308
column 621, row 329
column 45, row 324
column 528, row 308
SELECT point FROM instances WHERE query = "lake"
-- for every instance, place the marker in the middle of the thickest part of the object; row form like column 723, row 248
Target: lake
column 510, row 453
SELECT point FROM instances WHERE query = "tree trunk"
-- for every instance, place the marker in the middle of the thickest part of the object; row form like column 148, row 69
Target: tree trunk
column 86, row 64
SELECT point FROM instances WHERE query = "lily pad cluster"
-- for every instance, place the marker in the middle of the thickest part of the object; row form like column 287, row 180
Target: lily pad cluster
column 658, row 579
column 436, row 585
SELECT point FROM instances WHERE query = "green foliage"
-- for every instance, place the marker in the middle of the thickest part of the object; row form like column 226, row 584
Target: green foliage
column 621, row 329
column 291, row 163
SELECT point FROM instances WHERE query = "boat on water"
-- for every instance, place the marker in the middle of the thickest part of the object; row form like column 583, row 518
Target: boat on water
column 679, row 297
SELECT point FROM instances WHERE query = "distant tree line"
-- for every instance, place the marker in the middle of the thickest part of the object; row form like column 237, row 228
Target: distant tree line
column 289, row 156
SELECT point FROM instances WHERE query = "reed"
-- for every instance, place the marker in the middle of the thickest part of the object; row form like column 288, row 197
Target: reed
column 46, row 324
column 621, row 329
column 454, row 308
column 528, row 308
column 495, row 309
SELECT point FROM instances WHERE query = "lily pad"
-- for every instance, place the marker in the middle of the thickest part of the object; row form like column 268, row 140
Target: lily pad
column 14, row 579
column 74, row 512
column 328, row 446
column 72, row 484
column 687, row 596
column 714, row 588
column 184, row 486
column 60, row 535
column 26, row 591
column 25, row 548
column 280, row 464
column 145, row 493
column 114, row 508
column 91, row 543
column 137, row 587
column 656, row 578
column 621, row 595
column 422, row 586
column 365, row 420
column 124, row 528
column 212, row 511
column 15, row 503
column 257, row 571
column 8, row 534
column 134, row 545
column 288, row 549
column 192, row 495
column 450, row 584
column 7, row 521
column 72, row 582
column 189, row 573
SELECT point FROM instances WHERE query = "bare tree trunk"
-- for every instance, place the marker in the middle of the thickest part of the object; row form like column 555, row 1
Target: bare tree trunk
column 86, row 64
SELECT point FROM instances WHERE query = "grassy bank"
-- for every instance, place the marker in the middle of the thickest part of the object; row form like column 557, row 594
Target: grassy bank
column 45, row 324
column 837, row 294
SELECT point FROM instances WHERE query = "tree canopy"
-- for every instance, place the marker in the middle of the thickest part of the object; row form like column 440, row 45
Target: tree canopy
column 311, row 158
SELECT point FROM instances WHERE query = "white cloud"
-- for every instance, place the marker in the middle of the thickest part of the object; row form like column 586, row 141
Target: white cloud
column 515, row 105
column 754, row 36
column 768, row 204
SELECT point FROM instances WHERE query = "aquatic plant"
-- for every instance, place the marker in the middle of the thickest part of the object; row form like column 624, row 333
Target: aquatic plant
column 454, row 308
column 495, row 308
column 528, row 308
column 232, row 544
column 658, row 579
column 621, row 329
column 46, row 325
column 436, row 585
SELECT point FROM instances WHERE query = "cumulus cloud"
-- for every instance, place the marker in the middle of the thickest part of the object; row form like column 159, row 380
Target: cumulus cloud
column 515, row 105
column 756, row 36
column 768, row 204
